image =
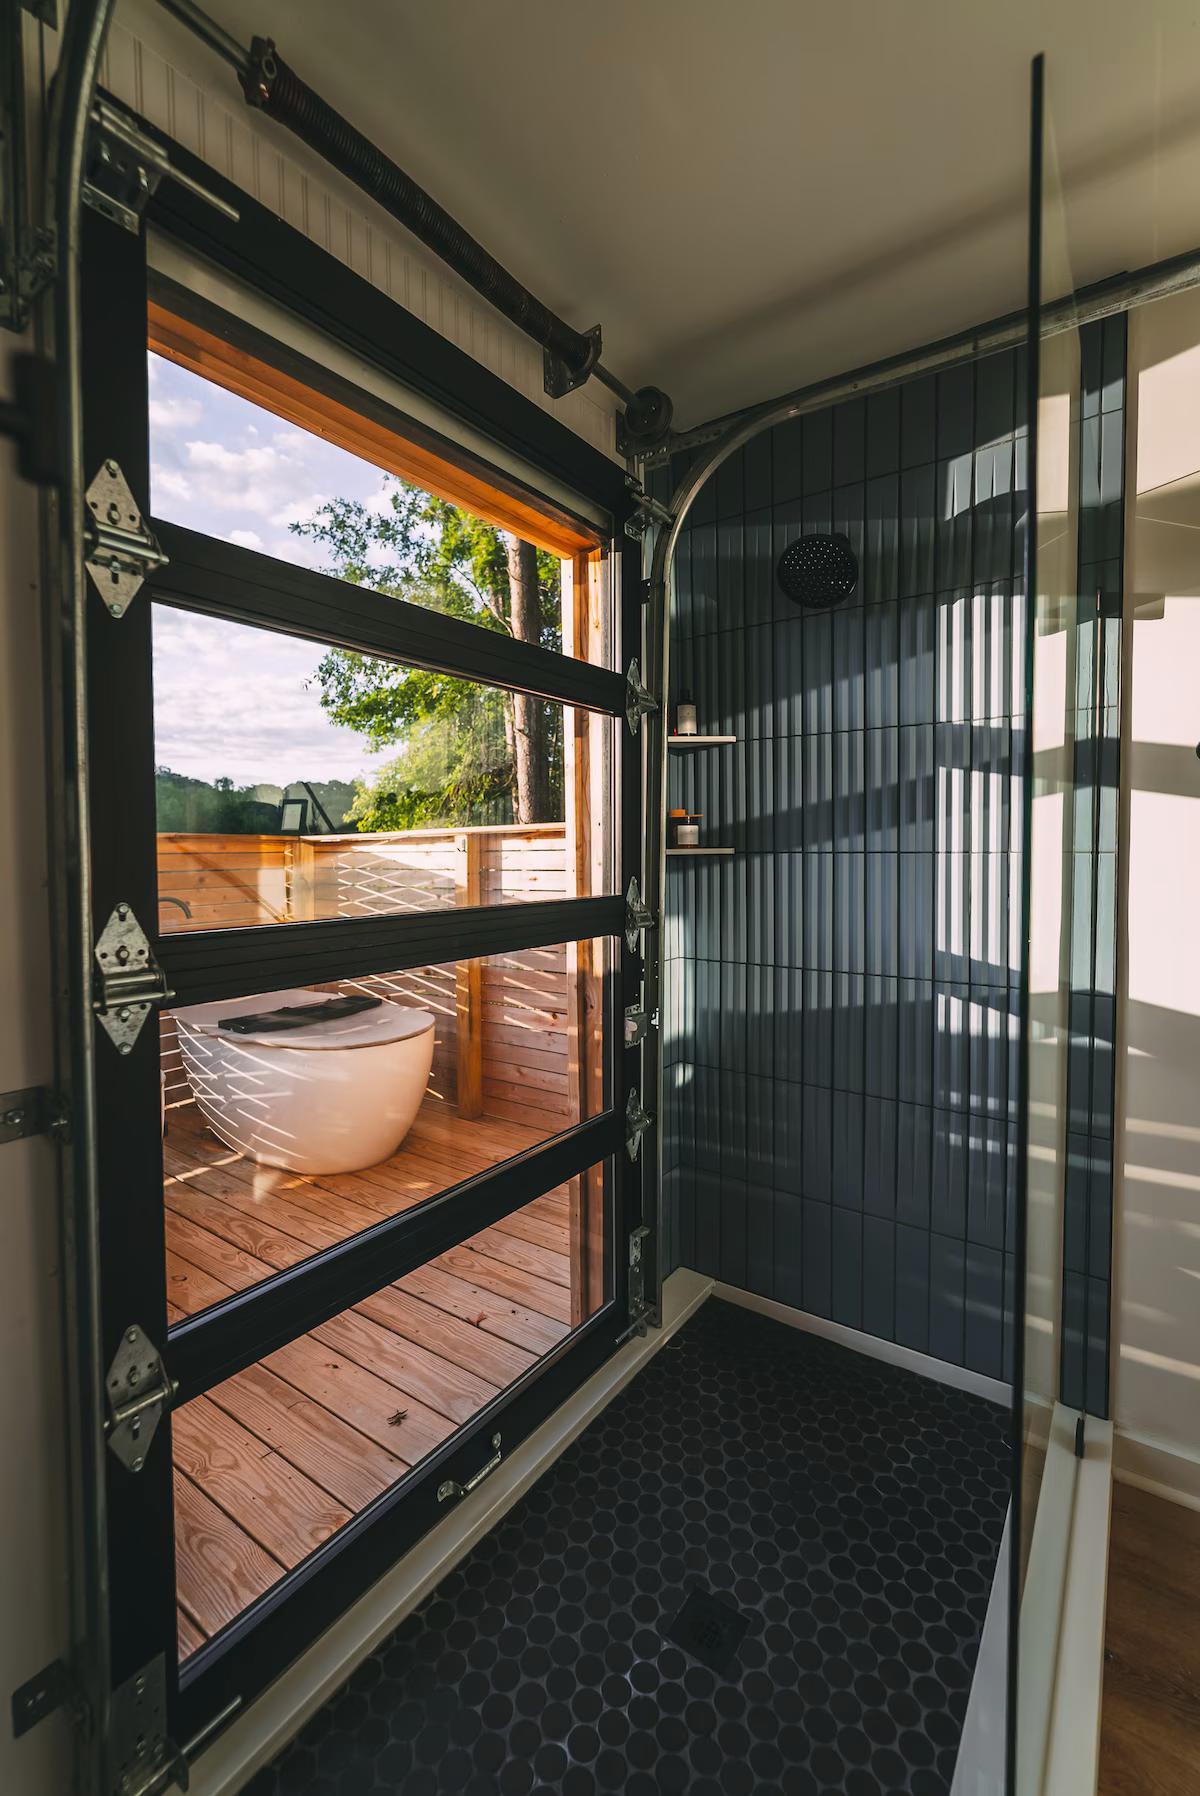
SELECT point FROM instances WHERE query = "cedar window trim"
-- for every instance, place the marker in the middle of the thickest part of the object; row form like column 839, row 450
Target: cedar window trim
column 209, row 342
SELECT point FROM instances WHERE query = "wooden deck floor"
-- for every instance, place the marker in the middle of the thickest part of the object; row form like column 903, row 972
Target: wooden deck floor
column 275, row 1460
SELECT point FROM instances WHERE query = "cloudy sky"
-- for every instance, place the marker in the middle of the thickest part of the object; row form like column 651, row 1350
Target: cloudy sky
column 230, row 700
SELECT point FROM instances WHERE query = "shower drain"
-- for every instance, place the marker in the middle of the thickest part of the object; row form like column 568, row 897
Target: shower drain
column 707, row 1628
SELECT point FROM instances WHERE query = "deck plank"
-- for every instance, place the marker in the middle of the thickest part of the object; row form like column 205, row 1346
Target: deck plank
column 220, row 1570
column 214, row 1255
column 352, row 1468
column 556, row 1235
column 252, row 1234
column 189, row 1288
column 461, row 1343
column 449, row 1289
column 268, row 1499
column 449, row 1390
column 376, row 1408
column 188, row 1634
column 507, row 1281
column 523, row 1256
column 289, row 1218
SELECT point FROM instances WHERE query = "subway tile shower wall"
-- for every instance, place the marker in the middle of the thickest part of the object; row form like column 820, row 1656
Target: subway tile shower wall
column 840, row 1036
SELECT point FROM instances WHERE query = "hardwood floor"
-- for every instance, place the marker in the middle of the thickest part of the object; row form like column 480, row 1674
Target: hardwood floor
column 1150, row 1724
column 275, row 1460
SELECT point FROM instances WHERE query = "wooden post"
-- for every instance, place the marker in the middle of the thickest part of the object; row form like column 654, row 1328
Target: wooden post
column 585, row 752
column 468, row 881
column 300, row 868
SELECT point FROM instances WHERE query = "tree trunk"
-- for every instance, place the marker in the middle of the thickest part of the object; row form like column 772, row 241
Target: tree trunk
column 531, row 793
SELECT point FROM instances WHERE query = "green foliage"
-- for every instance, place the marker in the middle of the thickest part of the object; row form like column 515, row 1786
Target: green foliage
column 219, row 807
column 455, row 764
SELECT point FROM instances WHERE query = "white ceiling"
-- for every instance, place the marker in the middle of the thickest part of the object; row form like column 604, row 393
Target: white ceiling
column 749, row 197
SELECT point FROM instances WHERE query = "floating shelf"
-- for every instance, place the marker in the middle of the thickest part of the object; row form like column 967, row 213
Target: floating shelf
column 683, row 851
column 698, row 741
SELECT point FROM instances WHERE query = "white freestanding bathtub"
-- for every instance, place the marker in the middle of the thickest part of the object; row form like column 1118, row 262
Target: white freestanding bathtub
column 333, row 1095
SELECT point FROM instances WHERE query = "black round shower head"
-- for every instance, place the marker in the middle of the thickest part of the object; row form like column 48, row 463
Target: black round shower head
column 818, row 571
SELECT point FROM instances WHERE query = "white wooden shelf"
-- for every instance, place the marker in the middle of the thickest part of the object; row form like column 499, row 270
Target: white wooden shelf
column 683, row 851
column 698, row 741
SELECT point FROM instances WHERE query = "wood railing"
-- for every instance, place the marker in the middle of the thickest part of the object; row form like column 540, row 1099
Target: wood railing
column 517, row 1034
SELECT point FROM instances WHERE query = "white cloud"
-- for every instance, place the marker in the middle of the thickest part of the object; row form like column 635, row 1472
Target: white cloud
column 246, row 539
column 300, row 511
column 243, row 703
column 175, row 414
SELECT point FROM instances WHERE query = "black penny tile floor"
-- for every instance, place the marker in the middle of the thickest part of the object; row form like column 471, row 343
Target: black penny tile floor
column 820, row 1526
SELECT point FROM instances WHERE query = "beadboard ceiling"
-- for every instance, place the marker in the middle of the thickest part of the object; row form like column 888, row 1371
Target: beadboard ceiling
column 751, row 197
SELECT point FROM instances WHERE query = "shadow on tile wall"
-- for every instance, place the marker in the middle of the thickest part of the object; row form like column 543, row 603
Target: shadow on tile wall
column 841, row 1027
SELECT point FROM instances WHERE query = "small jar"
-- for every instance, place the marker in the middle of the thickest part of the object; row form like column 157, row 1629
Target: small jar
column 687, row 833
column 685, row 715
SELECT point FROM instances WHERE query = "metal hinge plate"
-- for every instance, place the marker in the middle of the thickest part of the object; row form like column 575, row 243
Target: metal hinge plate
column 638, row 701
column 637, row 1121
column 640, row 1312
column 120, row 548
column 139, row 1394
column 53, row 1688
column 128, row 979
column 124, row 168
column 637, row 916
column 145, row 1760
column 35, row 1111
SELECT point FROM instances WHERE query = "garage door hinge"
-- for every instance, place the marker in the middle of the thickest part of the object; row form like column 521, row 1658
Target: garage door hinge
column 640, row 1312
column 145, row 1761
column 165, row 1768
column 119, row 547
column 124, row 167
column 637, row 916
column 638, row 701
column 637, row 1121
column 139, row 1394
column 128, row 981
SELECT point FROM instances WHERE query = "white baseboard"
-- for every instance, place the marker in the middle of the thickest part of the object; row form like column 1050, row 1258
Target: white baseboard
column 1044, row 1597
column 1163, row 1469
column 1073, row 1755
column 958, row 1376
column 254, row 1738
column 979, row 1769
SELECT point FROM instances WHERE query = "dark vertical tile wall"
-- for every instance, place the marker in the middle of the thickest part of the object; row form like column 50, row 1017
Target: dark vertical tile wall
column 840, row 1041
column 1087, row 1227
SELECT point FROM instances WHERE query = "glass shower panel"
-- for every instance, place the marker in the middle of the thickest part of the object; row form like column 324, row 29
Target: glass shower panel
column 1047, row 1462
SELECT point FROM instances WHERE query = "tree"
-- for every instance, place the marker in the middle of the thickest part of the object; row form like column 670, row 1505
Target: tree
column 469, row 754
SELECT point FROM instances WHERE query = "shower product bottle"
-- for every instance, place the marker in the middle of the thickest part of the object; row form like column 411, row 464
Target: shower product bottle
column 685, row 715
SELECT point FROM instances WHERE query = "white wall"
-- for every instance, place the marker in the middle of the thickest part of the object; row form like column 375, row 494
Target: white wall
column 33, row 1607
column 1157, row 1225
